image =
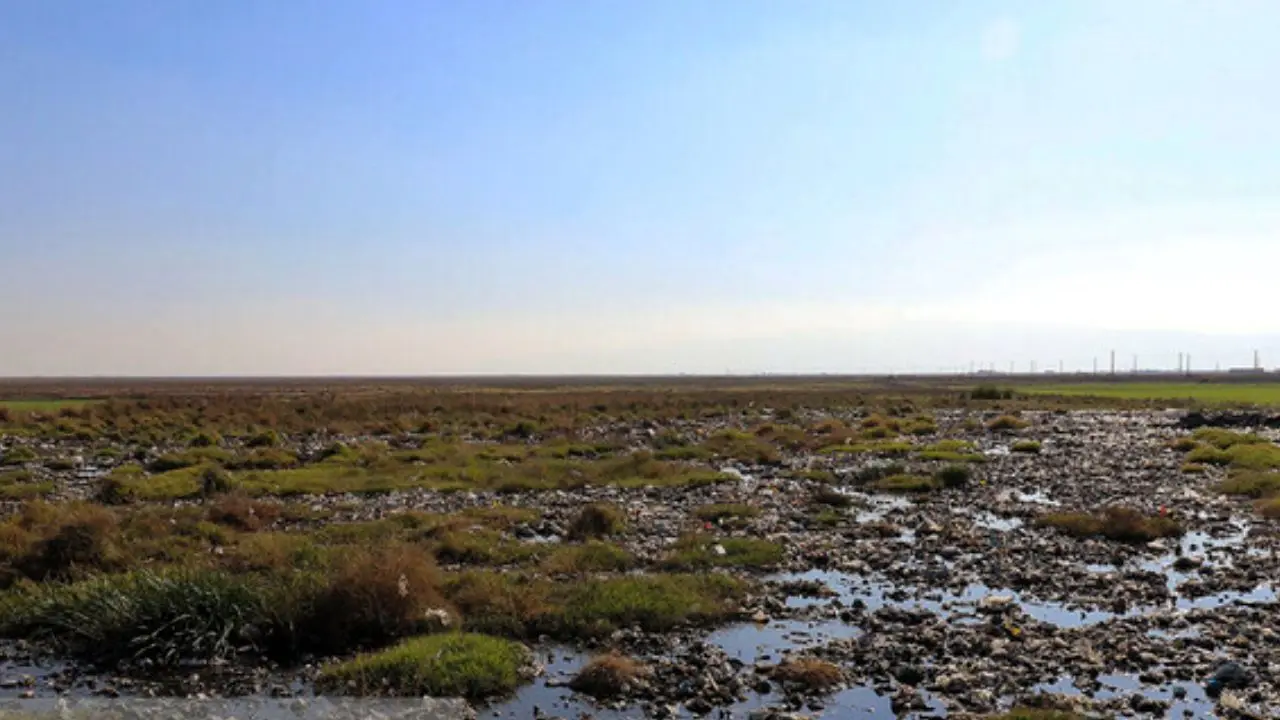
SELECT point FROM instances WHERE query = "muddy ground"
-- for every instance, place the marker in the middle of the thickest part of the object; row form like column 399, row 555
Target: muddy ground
column 950, row 603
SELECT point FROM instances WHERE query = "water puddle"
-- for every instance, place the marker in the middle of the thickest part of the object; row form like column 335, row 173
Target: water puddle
column 767, row 643
column 1193, row 703
column 947, row 604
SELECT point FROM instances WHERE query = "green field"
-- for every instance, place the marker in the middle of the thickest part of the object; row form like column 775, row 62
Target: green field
column 1203, row 393
column 43, row 405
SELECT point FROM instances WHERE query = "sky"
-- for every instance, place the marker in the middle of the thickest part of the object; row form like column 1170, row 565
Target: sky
column 427, row 187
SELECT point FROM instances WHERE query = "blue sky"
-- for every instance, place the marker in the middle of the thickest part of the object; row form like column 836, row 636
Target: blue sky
column 439, row 187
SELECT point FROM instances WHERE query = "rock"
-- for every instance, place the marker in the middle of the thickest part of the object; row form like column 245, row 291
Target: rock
column 1228, row 675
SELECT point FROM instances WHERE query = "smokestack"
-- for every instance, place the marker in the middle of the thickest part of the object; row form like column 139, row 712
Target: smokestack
column 1179, row 362
column 1113, row 362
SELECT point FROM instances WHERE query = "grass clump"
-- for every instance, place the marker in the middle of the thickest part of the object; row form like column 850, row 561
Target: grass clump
column 990, row 392
column 831, row 497
column 592, row 556
column 1030, row 447
column 21, row 485
column 1006, row 423
column 1184, row 444
column 158, row 617
column 906, row 484
column 953, row 476
column 373, row 596
column 598, row 520
column 1119, row 524
column 239, row 511
column 1250, row 483
column 1208, row 455
column 481, row 546
column 517, row 605
column 1223, row 439
column 609, row 676
column 726, row 511
column 18, row 455
column 1254, row 456
column 449, row 665
column 700, row 552
column 808, row 674
column 744, row 446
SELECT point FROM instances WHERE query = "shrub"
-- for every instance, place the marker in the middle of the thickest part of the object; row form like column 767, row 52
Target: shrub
column 1031, row 447
column 449, row 665
column 1184, row 444
column 808, row 674
column 953, row 476
column 83, row 537
column 373, row 596
column 1007, row 423
column 609, row 676
column 990, row 392
column 598, row 520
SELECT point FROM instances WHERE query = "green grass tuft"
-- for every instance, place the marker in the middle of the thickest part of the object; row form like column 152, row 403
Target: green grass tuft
column 701, row 551
column 449, row 665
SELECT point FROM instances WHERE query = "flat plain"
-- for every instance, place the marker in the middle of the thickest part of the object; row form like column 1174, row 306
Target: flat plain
column 750, row 547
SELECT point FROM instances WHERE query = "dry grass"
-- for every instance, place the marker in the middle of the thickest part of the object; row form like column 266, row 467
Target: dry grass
column 609, row 676
column 598, row 520
column 1114, row 523
column 808, row 674
column 375, row 596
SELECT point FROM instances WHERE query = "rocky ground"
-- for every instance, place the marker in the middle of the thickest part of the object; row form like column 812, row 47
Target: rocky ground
column 944, row 604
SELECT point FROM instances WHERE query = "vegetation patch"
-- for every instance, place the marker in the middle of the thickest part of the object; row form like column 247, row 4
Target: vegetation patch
column 832, row 498
column 448, row 665
column 731, row 511
column 808, row 675
column 518, row 605
column 1223, row 439
column 1007, row 423
column 589, row 557
column 1250, row 483
column 1029, row 447
column 609, row 676
column 598, row 520
column 1114, row 523
column 953, row 476
column 906, row 484
column 743, row 446
column 700, row 551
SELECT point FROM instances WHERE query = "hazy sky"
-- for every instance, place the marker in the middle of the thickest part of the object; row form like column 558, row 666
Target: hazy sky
column 262, row 187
